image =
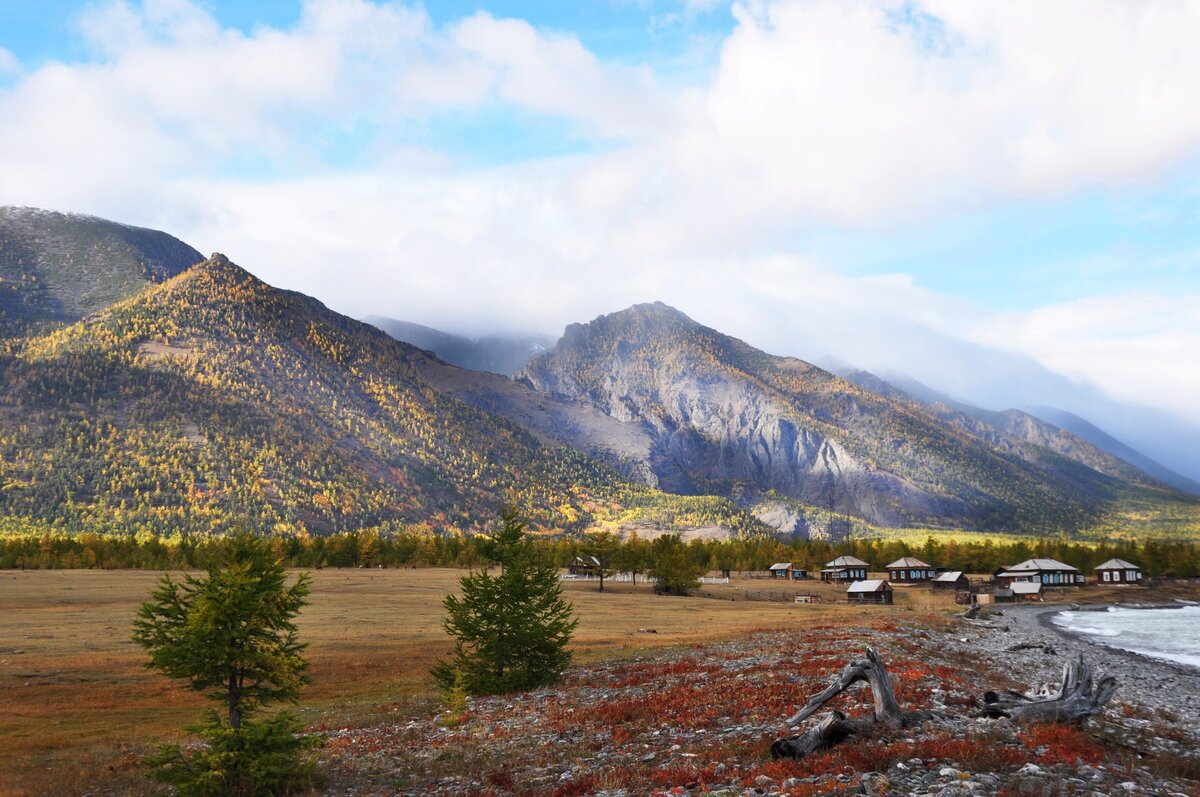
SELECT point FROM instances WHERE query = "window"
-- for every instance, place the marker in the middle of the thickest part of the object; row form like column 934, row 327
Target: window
column 1106, row 575
column 1131, row 575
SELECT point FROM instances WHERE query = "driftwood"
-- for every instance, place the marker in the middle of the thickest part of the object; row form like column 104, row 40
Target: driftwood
column 1078, row 698
column 1042, row 646
column 835, row 726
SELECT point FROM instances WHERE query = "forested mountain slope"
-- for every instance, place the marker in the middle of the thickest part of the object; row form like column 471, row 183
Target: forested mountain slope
column 214, row 399
column 724, row 415
column 56, row 268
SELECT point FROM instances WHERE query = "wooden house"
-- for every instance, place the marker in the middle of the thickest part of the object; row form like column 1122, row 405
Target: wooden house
column 872, row 591
column 845, row 569
column 910, row 571
column 952, row 580
column 1048, row 572
column 780, row 570
column 1118, row 571
column 584, row 567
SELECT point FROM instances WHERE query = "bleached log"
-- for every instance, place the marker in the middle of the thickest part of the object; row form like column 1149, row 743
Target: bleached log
column 1078, row 698
column 828, row 732
column 835, row 726
column 870, row 669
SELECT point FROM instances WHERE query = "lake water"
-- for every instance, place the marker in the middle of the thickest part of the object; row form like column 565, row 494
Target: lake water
column 1170, row 634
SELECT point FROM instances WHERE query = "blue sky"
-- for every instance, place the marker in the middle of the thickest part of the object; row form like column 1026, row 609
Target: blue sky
column 869, row 179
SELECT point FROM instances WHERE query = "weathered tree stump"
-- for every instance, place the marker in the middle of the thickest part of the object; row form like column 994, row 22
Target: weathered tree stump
column 1076, row 699
column 835, row 726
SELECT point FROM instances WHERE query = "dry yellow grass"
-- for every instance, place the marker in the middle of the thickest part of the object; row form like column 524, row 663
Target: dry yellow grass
column 77, row 699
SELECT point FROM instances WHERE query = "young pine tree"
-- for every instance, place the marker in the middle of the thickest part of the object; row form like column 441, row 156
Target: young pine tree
column 231, row 636
column 510, row 629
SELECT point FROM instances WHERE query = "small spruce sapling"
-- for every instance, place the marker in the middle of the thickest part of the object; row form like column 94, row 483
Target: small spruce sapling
column 511, row 629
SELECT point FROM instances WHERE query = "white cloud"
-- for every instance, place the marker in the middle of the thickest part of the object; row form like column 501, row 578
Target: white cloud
column 1139, row 348
column 555, row 74
column 9, row 65
column 859, row 114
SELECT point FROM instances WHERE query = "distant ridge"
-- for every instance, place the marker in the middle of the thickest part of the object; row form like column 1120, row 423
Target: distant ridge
column 214, row 401
column 56, row 268
column 497, row 354
column 1041, row 425
column 1098, row 437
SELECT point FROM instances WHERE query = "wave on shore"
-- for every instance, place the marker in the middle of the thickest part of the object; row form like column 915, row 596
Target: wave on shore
column 1169, row 634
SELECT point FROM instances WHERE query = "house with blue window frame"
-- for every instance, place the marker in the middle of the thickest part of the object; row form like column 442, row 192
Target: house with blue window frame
column 911, row 570
column 846, row 569
column 1047, row 572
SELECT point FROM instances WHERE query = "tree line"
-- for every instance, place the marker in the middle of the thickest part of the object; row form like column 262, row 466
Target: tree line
column 392, row 547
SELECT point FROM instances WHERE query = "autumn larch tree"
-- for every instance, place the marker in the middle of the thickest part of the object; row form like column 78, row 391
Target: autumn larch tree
column 231, row 635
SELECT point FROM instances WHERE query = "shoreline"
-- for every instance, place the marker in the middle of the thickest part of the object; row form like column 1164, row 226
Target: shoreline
column 1162, row 697
column 1045, row 619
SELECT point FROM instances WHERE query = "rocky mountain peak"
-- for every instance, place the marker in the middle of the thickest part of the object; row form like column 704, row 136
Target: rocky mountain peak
column 634, row 325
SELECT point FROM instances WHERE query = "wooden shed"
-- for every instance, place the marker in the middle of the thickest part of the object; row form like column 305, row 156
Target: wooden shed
column 584, row 567
column 845, row 568
column 872, row 591
column 952, row 580
column 1026, row 591
column 780, row 570
column 1118, row 571
column 910, row 570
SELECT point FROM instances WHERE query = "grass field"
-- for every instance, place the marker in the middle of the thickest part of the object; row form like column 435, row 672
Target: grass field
column 78, row 701
column 79, row 708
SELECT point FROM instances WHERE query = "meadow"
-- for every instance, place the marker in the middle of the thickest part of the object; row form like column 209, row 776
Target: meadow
column 81, row 709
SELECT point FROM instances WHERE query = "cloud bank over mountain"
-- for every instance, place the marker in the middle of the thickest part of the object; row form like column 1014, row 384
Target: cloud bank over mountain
column 483, row 173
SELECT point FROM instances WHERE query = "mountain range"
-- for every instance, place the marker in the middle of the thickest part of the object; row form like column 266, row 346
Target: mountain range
column 165, row 393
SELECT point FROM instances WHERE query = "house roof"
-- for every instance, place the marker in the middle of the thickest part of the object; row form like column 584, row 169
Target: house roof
column 1037, row 565
column 1026, row 587
column 950, row 575
column 908, row 561
column 589, row 561
column 781, row 566
column 1117, row 564
column 847, row 561
column 873, row 585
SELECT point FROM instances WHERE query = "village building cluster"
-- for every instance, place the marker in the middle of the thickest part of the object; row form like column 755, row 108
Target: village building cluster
column 1023, row 581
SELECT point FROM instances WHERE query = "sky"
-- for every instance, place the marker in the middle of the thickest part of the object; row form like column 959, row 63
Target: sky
column 1000, row 199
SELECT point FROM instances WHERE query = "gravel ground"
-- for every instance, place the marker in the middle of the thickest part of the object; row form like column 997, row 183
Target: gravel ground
column 701, row 720
column 1160, row 687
